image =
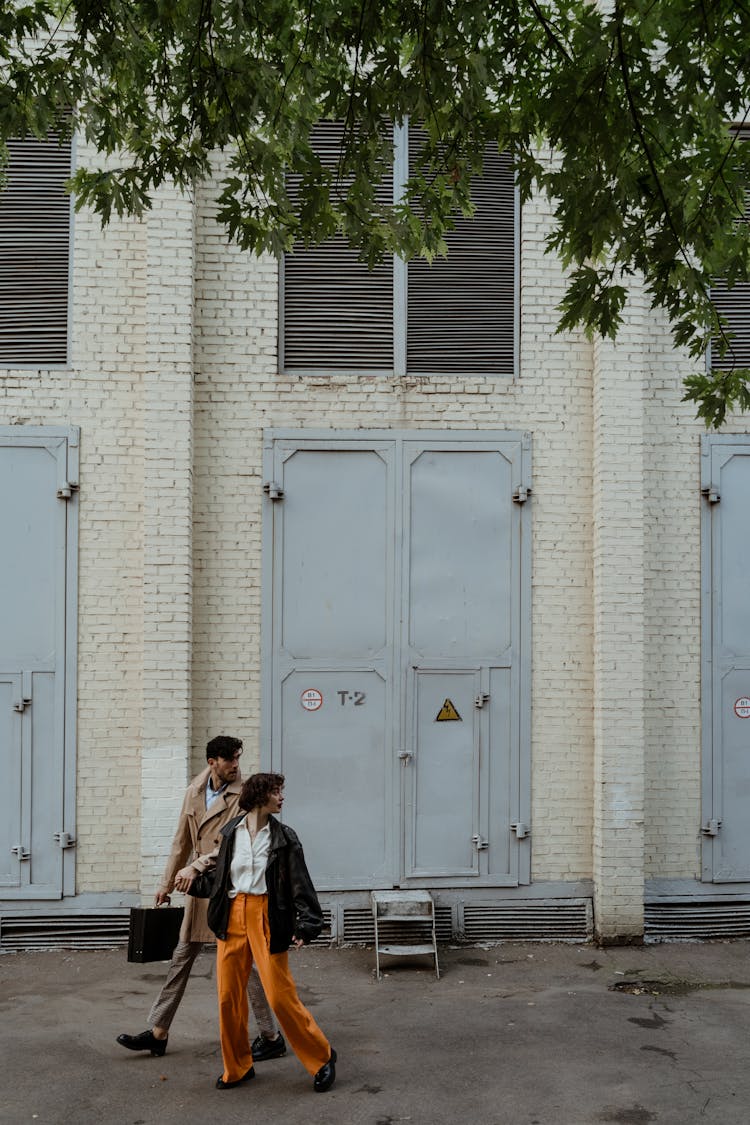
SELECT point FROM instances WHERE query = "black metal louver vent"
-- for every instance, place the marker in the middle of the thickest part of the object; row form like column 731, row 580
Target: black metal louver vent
column 55, row 931
column 695, row 920
column 35, row 253
column 566, row 920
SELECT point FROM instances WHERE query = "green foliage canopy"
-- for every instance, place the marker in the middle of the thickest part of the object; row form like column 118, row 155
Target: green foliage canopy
column 631, row 97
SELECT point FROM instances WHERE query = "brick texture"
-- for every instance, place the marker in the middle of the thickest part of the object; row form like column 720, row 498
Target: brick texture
column 173, row 381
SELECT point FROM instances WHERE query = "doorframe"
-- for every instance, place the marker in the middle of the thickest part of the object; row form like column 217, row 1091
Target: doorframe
column 521, row 714
column 707, row 741
column 23, row 436
column 711, row 750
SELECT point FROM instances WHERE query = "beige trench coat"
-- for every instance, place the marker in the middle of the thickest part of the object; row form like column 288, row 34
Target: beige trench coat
column 197, row 835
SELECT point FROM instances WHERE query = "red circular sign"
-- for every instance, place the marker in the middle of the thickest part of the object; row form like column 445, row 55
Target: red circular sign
column 311, row 699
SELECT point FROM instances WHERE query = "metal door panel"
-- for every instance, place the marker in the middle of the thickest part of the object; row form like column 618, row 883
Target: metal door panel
column 460, row 572
column 732, row 780
column 332, row 612
column 33, row 522
column 10, row 771
column 442, row 775
column 334, row 757
column 335, row 554
column 733, row 591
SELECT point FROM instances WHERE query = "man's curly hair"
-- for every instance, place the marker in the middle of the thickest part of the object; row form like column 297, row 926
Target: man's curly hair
column 256, row 789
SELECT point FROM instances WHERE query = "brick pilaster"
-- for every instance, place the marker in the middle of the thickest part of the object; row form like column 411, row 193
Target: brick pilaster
column 619, row 631
column 167, row 515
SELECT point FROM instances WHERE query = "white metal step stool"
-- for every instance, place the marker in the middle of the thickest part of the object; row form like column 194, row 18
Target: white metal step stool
column 414, row 909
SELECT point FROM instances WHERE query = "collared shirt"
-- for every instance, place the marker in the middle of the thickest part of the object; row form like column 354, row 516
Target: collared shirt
column 212, row 794
column 247, row 871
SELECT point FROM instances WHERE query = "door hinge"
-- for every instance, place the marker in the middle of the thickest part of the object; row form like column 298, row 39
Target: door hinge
column 481, row 699
column 711, row 828
column 66, row 489
column 479, row 843
column 21, row 852
column 65, row 840
column 521, row 494
column 21, row 704
column 521, row 830
column 711, row 493
column 273, row 490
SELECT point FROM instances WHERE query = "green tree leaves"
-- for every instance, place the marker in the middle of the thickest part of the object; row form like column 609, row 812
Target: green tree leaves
column 634, row 98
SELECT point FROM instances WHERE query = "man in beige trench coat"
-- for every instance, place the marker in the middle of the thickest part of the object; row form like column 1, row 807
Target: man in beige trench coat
column 210, row 801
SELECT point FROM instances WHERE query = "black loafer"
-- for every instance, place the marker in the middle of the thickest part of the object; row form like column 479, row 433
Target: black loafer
column 264, row 1049
column 146, row 1041
column 222, row 1085
column 326, row 1076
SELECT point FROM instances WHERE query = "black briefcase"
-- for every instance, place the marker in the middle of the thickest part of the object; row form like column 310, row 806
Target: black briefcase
column 154, row 931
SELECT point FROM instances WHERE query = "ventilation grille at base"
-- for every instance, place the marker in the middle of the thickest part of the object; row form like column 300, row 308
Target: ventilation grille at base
column 324, row 937
column 696, row 920
column 83, row 931
column 359, row 927
column 563, row 920
column 50, row 931
column 567, row 920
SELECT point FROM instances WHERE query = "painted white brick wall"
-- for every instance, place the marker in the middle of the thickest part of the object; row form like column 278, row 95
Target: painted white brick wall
column 172, row 412
column 101, row 393
column 672, row 545
column 239, row 394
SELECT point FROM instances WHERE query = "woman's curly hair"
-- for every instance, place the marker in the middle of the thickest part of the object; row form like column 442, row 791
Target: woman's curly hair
column 257, row 787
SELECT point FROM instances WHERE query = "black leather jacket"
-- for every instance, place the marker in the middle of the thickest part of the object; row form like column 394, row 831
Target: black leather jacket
column 293, row 907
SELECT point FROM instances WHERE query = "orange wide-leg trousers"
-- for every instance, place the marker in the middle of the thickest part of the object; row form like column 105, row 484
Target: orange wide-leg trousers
column 248, row 940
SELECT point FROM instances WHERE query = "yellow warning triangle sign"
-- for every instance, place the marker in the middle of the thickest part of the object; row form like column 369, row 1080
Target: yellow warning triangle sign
column 448, row 714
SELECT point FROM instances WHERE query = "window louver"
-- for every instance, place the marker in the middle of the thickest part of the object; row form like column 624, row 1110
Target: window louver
column 461, row 308
column 338, row 314
column 733, row 304
column 461, row 311
column 35, row 253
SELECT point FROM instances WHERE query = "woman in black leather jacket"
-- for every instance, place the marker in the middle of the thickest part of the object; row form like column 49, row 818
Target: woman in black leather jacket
column 262, row 900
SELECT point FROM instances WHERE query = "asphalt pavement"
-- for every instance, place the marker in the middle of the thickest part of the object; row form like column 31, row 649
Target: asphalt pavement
column 513, row 1034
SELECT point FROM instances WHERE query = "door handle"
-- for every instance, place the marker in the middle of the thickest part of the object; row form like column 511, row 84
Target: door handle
column 405, row 756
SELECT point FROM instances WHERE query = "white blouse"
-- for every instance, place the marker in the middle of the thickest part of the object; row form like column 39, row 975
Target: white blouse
column 247, row 871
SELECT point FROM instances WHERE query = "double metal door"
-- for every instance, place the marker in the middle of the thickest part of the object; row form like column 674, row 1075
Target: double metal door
column 396, row 694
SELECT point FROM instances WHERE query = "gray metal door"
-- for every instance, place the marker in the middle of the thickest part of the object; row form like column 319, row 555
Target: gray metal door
column 332, row 656
column 726, row 659
column 38, row 481
column 460, row 656
column 397, row 579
